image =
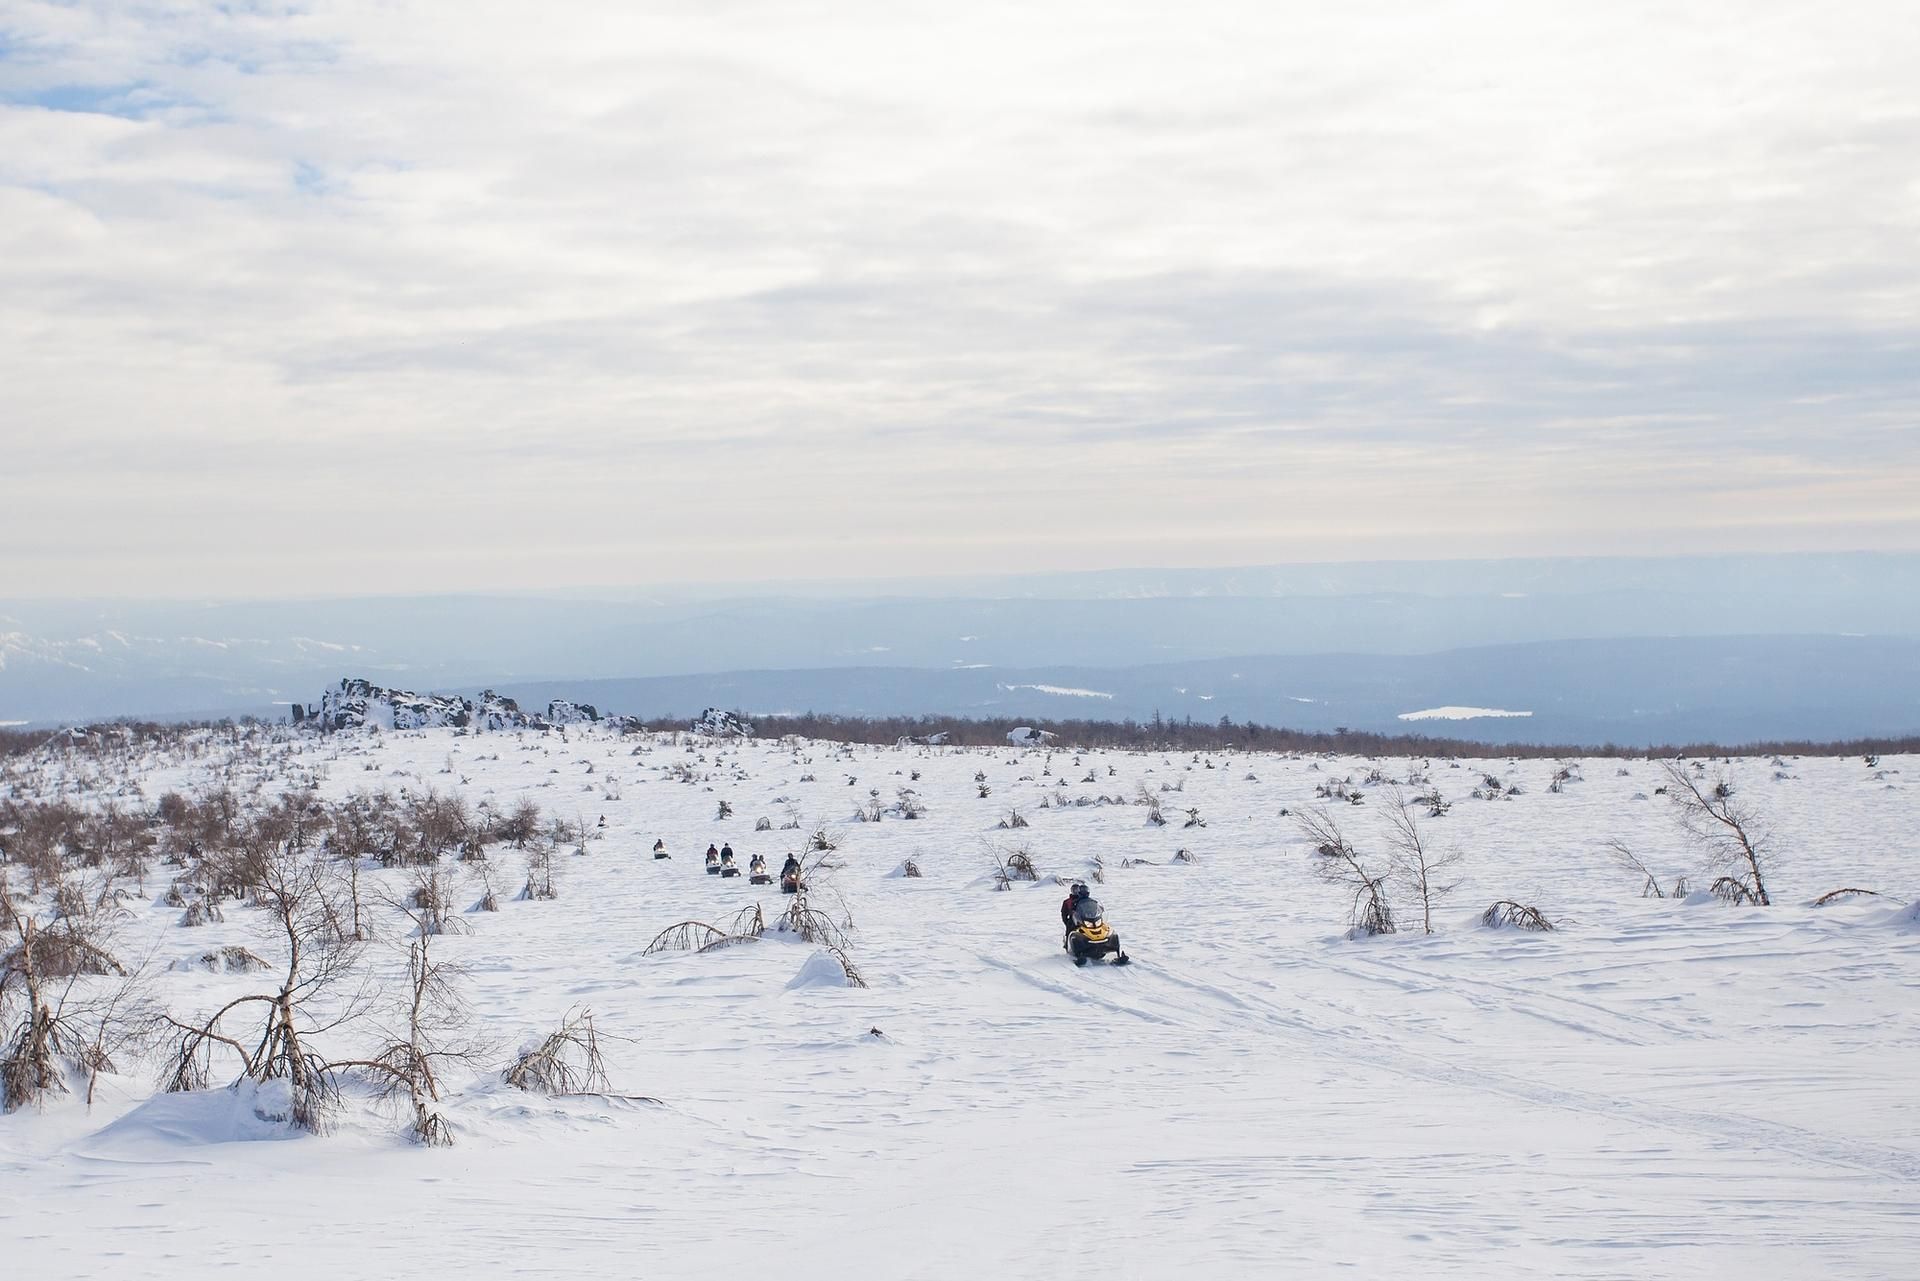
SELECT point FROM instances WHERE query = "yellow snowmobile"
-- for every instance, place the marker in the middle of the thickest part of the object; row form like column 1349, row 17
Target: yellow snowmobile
column 1089, row 937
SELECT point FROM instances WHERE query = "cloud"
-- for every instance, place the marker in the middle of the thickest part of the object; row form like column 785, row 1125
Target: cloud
column 370, row 295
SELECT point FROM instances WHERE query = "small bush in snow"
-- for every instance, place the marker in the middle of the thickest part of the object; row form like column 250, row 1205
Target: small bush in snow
column 1519, row 916
column 565, row 1061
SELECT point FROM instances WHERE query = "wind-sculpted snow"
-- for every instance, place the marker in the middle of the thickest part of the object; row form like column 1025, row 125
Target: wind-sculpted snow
column 1658, row 1088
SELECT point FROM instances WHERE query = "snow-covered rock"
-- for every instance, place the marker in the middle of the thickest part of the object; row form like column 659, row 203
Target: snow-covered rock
column 496, row 712
column 1026, row 736
column 565, row 712
column 359, row 702
column 721, row 724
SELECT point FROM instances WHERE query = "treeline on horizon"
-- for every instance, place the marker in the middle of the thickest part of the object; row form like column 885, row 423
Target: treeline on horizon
column 1158, row 734
column 1161, row 734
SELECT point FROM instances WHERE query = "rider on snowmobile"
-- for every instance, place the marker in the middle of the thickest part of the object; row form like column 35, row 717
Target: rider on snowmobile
column 1088, row 937
column 1078, row 906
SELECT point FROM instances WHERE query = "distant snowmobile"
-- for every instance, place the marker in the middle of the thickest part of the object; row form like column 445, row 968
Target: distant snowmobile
column 1088, row 937
column 757, row 871
column 713, row 861
column 727, row 867
column 790, row 876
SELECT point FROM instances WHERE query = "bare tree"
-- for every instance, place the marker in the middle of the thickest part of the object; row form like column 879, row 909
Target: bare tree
column 1725, row 831
column 1419, row 866
column 1624, row 855
column 48, row 1024
column 429, row 903
column 298, row 892
column 539, row 872
column 429, row 1037
column 520, row 826
column 816, row 925
column 30, row 1057
column 1338, row 863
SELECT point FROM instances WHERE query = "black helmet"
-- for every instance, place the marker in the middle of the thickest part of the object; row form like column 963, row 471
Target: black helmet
column 1079, row 889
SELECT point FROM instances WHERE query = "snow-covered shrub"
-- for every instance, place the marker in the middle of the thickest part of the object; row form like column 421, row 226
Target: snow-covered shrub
column 1506, row 912
column 566, row 1060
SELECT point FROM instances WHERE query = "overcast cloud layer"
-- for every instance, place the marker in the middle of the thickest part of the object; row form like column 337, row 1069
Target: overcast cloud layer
column 380, row 296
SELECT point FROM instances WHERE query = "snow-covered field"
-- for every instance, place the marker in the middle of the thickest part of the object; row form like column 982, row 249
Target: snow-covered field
column 1660, row 1088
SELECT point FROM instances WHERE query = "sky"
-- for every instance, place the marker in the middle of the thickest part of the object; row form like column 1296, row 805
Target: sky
column 337, row 297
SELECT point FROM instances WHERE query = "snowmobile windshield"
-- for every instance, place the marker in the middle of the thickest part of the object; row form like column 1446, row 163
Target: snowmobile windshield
column 1086, row 911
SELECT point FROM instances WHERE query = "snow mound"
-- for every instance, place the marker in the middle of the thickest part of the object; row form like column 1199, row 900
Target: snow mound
column 1906, row 918
column 244, row 1113
column 818, row 970
column 1026, row 736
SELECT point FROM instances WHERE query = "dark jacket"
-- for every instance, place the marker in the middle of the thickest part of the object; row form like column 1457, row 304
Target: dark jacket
column 1078, row 911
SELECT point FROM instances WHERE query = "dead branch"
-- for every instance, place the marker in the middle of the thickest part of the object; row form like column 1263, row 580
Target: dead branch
column 687, row 936
column 1834, row 896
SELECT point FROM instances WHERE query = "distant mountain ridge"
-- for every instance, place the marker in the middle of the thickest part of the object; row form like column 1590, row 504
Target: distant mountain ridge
column 81, row 660
column 1626, row 692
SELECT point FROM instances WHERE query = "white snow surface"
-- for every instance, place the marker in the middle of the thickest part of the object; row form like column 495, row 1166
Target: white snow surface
column 1458, row 714
column 1660, row 1088
column 1063, row 691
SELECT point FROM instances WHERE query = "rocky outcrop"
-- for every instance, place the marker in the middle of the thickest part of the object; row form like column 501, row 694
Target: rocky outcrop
column 359, row 702
column 719, row 724
column 562, row 712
